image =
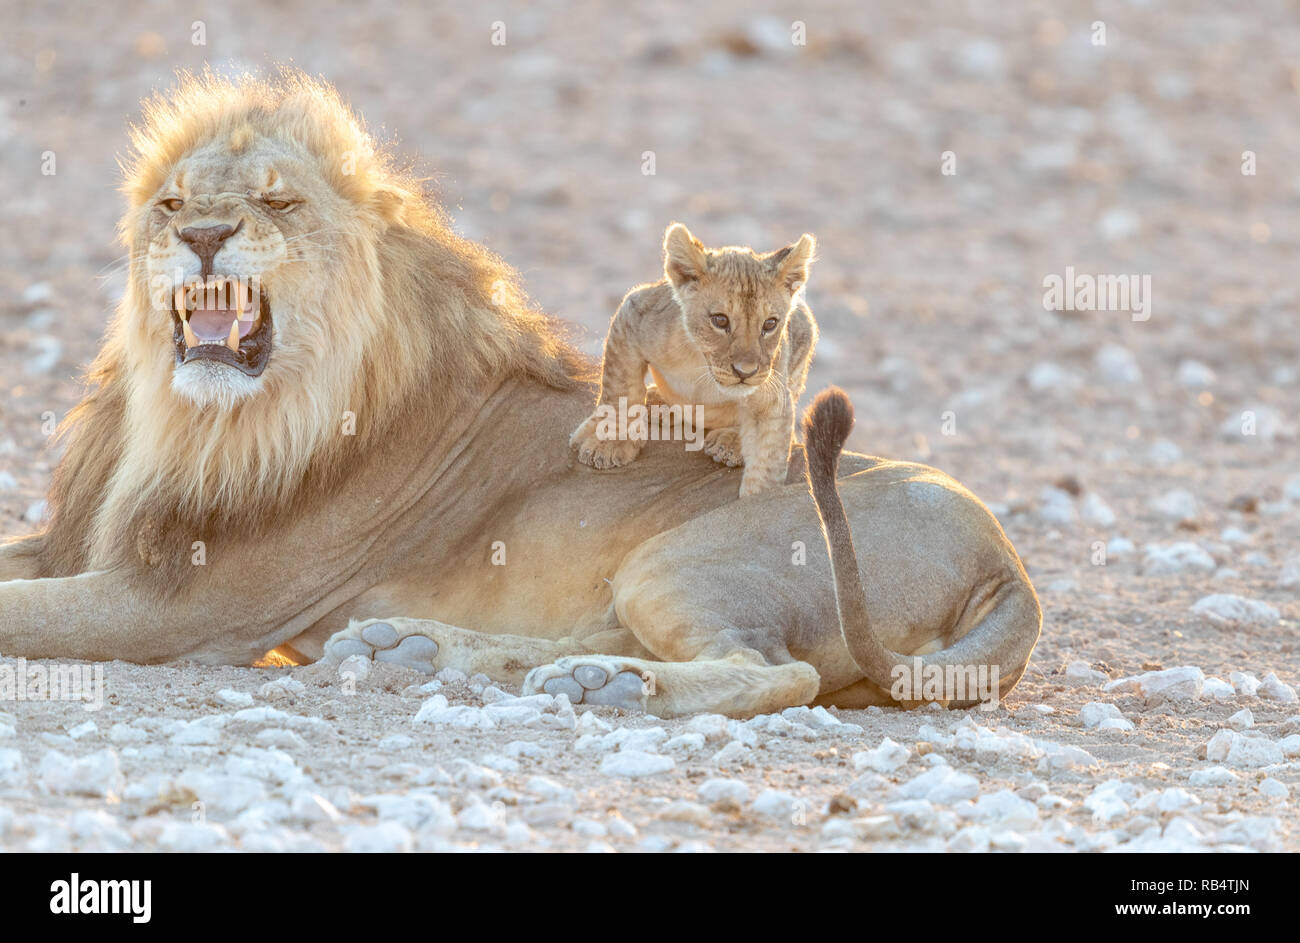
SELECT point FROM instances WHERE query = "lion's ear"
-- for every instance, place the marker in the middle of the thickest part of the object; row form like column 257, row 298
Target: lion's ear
column 684, row 259
column 792, row 263
column 389, row 203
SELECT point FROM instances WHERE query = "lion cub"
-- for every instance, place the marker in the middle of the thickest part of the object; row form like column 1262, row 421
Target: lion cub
column 725, row 331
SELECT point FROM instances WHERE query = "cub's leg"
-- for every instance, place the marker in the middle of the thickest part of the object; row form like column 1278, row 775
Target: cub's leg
column 765, row 439
column 622, row 377
column 723, row 446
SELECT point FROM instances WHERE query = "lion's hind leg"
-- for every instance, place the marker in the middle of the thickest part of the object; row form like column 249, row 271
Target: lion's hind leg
column 737, row 685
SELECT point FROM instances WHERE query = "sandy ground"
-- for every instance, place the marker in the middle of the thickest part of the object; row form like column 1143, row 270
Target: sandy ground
column 1100, row 440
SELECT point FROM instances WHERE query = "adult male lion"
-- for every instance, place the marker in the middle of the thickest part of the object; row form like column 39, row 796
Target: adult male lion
column 317, row 404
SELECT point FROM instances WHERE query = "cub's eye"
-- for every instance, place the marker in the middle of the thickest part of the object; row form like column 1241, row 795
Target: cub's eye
column 278, row 204
column 172, row 205
column 769, row 325
column 719, row 321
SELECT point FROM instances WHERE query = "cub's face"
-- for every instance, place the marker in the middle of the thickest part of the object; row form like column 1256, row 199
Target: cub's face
column 735, row 304
column 238, row 240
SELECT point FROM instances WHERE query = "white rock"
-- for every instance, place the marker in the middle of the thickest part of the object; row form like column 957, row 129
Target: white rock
column 1119, row 222
column 1084, row 673
column 711, row 726
column 1176, row 505
column 1164, row 453
column 1213, row 776
column 1290, row 746
column 437, row 711
column 1273, row 689
column 1243, row 752
column 1110, row 800
column 1119, row 547
column 384, row 838
column 1007, row 809
column 11, row 766
column 97, row 774
column 1245, row 683
column 1117, row 365
column 1218, row 689
column 1242, row 720
column 1289, row 578
column 1051, row 377
column 1096, row 511
column 190, row 837
column 636, row 763
column 734, row 753
column 1228, row 611
column 718, row 789
column 1194, row 375
column 775, row 804
column 1180, row 557
column 225, row 793
column 885, row 758
column 941, row 785
column 1095, row 712
column 83, row 730
column 1291, row 491
column 1170, row 684
column 235, row 698
column 285, row 688
column 1057, row 507
column 1272, row 788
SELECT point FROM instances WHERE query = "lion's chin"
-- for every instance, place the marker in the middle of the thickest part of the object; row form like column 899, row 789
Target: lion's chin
column 211, row 384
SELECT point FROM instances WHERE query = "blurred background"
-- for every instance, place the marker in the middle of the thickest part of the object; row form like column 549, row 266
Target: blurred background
column 1118, row 157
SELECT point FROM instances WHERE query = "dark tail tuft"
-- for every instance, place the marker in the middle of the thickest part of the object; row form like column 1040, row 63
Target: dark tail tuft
column 826, row 426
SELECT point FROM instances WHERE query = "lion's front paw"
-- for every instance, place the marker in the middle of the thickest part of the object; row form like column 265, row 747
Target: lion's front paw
column 602, row 453
column 723, row 446
column 381, row 640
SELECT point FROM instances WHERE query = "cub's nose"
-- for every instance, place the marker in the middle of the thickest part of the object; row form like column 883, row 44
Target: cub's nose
column 745, row 369
column 206, row 240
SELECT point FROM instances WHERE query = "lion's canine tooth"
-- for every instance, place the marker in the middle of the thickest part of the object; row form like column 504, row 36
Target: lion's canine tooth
column 191, row 340
column 233, row 340
column 178, row 300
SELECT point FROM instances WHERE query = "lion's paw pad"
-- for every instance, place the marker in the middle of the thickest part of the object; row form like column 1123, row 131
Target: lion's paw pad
column 584, row 682
column 380, row 641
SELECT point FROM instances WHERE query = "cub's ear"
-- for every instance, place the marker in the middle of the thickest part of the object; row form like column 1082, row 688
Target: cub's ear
column 792, row 263
column 684, row 259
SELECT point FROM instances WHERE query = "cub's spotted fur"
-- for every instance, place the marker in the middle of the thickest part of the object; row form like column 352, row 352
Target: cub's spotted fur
column 725, row 330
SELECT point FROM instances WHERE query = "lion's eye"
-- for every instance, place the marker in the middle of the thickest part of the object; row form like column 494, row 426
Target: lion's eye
column 719, row 321
column 279, row 204
column 769, row 325
column 172, row 205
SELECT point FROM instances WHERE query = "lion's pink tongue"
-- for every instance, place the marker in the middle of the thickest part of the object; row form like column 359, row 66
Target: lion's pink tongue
column 212, row 325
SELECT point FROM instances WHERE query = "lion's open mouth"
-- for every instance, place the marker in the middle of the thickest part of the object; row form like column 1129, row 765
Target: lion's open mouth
column 222, row 319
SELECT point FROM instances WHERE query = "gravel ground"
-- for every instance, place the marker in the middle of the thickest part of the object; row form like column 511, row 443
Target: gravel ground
column 1147, row 468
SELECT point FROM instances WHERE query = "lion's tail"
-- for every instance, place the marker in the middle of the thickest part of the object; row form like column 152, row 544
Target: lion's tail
column 1004, row 635
column 827, row 425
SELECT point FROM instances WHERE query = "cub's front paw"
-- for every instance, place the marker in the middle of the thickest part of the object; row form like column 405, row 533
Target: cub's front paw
column 602, row 453
column 723, row 446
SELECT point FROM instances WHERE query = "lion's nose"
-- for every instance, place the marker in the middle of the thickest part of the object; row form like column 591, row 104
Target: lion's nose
column 746, row 369
column 206, row 240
